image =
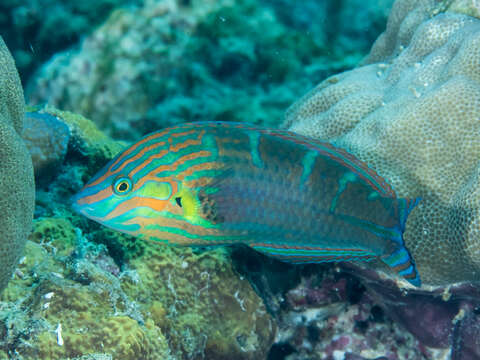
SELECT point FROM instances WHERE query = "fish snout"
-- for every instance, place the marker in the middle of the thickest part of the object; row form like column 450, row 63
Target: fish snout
column 77, row 204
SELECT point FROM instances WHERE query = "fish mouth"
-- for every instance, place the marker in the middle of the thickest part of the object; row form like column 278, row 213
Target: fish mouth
column 78, row 207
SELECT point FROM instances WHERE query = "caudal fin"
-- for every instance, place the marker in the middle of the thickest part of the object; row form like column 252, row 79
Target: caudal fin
column 400, row 259
column 403, row 264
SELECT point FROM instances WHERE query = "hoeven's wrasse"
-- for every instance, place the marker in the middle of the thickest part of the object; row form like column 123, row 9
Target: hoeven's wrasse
column 288, row 196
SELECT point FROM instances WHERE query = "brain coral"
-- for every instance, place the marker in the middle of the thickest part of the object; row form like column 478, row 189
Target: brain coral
column 412, row 113
column 17, row 188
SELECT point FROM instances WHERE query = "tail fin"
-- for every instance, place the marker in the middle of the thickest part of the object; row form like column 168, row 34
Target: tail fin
column 400, row 259
column 403, row 264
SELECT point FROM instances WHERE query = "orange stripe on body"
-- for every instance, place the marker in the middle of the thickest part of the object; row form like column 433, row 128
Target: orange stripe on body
column 131, row 149
column 297, row 259
column 134, row 202
column 403, row 266
column 311, row 144
column 203, row 166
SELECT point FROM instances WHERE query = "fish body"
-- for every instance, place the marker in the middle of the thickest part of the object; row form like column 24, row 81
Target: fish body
column 291, row 197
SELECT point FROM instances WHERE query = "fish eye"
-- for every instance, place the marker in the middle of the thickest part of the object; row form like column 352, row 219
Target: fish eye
column 122, row 186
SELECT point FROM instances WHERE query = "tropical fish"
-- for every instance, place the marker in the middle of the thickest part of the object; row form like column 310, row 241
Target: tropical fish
column 288, row 196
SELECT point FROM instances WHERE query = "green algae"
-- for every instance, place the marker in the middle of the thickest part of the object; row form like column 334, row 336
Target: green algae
column 56, row 233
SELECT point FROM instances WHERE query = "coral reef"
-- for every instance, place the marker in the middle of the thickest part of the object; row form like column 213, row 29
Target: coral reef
column 87, row 139
column 82, row 291
column 331, row 316
column 31, row 28
column 411, row 112
column 16, row 172
column 173, row 61
column 350, row 312
column 445, row 319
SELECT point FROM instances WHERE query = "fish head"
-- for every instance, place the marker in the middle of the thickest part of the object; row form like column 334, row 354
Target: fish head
column 125, row 203
column 148, row 191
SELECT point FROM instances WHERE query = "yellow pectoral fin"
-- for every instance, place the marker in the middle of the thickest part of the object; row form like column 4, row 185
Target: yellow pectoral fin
column 191, row 207
column 190, row 203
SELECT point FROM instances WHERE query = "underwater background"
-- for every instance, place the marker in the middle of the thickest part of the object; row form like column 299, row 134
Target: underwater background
column 98, row 75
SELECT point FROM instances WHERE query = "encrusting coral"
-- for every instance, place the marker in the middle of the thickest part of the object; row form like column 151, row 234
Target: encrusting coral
column 411, row 112
column 17, row 190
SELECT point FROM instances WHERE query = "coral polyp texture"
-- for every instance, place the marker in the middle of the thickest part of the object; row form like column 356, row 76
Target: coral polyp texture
column 411, row 112
column 16, row 172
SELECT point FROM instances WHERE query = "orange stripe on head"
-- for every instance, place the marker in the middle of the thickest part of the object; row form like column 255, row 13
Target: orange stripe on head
column 135, row 202
column 140, row 154
column 128, row 151
column 141, row 142
column 146, row 162
column 188, row 142
column 172, row 167
column 164, row 152
column 188, row 132
column 99, row 196
column 172, row 223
